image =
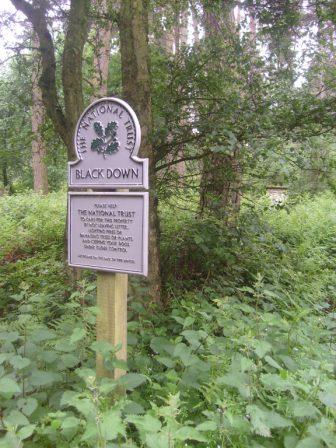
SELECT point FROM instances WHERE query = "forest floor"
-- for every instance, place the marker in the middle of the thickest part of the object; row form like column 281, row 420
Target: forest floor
column 244, row 356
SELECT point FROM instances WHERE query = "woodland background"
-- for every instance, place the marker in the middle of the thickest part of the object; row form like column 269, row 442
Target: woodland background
column 232, row 338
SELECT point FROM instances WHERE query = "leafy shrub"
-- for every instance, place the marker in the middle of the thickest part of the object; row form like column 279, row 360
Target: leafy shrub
column 31, row 245
column 194, row 248
column 30, row 222
column 246, row 360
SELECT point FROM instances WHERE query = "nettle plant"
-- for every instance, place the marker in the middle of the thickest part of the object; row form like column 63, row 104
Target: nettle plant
column 106, row 143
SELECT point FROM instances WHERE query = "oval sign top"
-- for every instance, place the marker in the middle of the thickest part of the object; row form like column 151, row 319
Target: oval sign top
column 107, row 140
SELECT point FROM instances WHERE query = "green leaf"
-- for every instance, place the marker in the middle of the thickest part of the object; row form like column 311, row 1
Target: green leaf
column 69, row 360
column 238, row 380
column 85, row 373
column 103, row 347
column 68, row 398
column 107, row 387
column 325, row 431
column 242, row 364
column 168, row 362
column 42, row 334
column 27, row 405
column 275, row 382
column 132, row 380
column 132, row 339
column 70, row 423
column 41, row 378
column 90, row 433
column 193, row 337
column 258, row 421
column 112, row 425
column 26, row 432
column 48, row 356
column 85, row 407
column 63, row 345
column 328, row 397
column 303, row 409
column 8, row 387
column 291, row 440
column 157, row 441
column 133, row 408
column 5, row 357
column 161, row 345
column 263, row 420
column 289, row 362
column 120, row 364
column 190, row 433
column 146, row 423
column 188, row 321
column 181, row 350
column 276, row 420
column 261, row 348
column 9, row 336
column 309, row 442
column 209, row 425
column 272, row 362
column 77, row 335
column 18, row 362
column 98, row 127
column 16, row 418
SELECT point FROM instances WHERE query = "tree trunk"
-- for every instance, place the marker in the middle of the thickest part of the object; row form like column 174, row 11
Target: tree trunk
column 72, row 77
column 133, row 24
column 172, row 41
column 5, row 178
column 181, row 40
column 221, row 173
column 102, row 48
column 181, row 29
column 195, row 26
column 65, row 120
column 40, row 174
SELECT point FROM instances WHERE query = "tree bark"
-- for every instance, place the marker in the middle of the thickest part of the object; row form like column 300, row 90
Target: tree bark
column 72, row 76
column 102, row 48
column 133, row 24
column 40, row 174
column 221, row 173
column 5, row 178
column 195, row 26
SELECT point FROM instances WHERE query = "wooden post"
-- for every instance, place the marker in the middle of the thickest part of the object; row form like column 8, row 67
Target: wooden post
column 112, row 317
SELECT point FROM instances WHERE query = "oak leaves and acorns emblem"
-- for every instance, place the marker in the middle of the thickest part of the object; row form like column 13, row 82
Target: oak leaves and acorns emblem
column 106, row 143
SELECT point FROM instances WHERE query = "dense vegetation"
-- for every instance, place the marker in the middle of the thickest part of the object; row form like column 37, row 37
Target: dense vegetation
column 245, row 359
column 231, row 338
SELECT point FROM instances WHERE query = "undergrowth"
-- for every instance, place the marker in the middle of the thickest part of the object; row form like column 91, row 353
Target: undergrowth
column 244, row 357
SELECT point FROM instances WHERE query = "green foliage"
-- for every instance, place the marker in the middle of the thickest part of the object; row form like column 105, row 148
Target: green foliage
column 31, row 245
column 247, row 360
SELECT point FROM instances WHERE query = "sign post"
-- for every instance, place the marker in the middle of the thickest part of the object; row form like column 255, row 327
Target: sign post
column 108, row 231
column 112, row 319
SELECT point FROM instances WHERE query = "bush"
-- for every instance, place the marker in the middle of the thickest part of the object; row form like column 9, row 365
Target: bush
column 31, row 244
column 244, row 360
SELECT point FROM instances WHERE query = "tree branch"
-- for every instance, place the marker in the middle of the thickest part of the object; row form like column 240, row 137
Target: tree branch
column 182, row 159
column 37, row 17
